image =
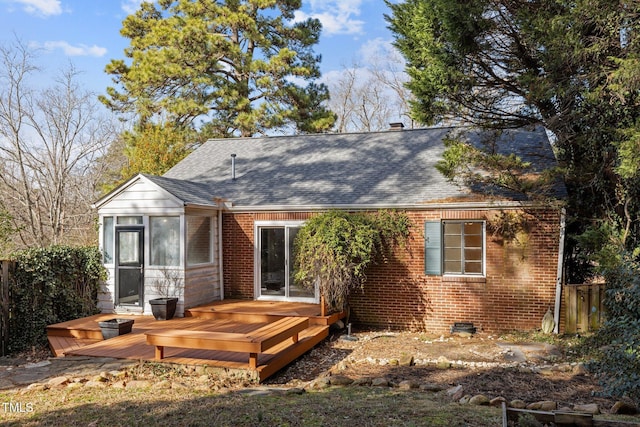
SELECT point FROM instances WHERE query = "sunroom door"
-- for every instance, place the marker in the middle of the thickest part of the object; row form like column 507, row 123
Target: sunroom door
column 275, row 275
column 129, row 265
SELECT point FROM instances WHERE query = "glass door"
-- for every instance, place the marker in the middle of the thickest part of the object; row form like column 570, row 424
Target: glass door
column 276, row 274
column 129, row 265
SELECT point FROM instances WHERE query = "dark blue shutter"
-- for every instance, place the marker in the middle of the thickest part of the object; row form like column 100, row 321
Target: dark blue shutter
column 433, row 248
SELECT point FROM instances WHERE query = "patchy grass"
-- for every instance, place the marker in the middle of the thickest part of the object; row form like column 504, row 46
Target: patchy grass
column 361, row 406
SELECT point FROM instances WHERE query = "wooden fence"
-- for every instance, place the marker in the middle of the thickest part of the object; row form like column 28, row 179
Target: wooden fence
column 6, row 271
column 584, row 308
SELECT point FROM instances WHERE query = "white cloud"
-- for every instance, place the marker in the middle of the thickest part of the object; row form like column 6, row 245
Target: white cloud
column 336, row 16
column 131, row 6
column 69, row 50
column 40, row 7
column 379, row 49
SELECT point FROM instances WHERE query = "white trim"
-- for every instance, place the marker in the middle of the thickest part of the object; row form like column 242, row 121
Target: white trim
column 114, row 193
column 409, row 206
column 558, row 301
column 257, row 262
column 483, row 275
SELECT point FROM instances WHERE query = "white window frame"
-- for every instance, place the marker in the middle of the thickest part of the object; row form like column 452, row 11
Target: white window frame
column 257, row 271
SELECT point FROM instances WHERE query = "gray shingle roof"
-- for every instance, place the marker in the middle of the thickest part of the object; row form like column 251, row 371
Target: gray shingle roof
column 189, row 192
column 379, row 168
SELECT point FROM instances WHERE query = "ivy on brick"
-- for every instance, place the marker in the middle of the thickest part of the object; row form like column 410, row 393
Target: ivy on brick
column 335, row 248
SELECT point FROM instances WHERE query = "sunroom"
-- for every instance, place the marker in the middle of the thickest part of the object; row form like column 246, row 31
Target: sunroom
column 159, row 238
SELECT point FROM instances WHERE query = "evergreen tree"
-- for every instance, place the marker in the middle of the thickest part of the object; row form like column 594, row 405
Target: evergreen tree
column 224, row 67
column 571, row 66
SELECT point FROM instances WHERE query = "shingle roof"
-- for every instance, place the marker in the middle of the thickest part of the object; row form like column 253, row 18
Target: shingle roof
column 189, row 192
column 379, row 168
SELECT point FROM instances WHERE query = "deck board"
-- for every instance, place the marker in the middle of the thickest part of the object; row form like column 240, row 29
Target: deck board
column 82, row 337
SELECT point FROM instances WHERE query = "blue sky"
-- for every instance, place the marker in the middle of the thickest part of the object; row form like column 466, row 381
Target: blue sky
column 87, row 32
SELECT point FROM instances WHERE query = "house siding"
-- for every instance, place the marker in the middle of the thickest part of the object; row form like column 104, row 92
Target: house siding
column 142, row 197
column 518, row 287
column 201, row 285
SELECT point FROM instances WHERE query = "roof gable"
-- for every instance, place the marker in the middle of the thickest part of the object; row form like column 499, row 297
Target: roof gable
column 146, row 192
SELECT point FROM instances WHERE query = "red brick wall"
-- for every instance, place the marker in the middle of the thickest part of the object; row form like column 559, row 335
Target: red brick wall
column 518, row 289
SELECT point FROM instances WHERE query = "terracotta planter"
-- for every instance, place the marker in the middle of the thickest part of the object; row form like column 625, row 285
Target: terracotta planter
column 114, row 327
column 163, row 308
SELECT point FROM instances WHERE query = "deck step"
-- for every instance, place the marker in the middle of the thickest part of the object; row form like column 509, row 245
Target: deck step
column 82, row 337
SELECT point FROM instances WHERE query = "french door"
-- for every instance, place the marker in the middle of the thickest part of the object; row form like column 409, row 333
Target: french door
column 129, row 265
column 275, row 275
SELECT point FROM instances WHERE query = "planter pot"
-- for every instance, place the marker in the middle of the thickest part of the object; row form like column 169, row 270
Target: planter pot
column 163, row 308
column 115, row 327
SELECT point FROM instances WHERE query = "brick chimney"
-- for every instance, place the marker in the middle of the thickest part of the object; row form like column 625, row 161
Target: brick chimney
column 396, row 126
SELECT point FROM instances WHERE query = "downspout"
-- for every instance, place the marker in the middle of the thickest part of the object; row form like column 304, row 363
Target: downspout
column 220, row 272
column 556, row 310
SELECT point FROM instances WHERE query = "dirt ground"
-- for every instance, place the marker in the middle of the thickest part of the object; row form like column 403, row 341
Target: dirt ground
column 482, row 364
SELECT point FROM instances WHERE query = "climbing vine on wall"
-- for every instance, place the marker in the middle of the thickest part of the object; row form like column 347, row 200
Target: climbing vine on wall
column 335, row 248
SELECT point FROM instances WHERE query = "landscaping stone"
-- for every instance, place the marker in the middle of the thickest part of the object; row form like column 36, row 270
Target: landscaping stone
column 518, row 404
column 320, row 383
column 100, row 378
column 497, row 401
column 380, row 382
column 408, row 385
column 406, row 360
column 479, row 400
column 37, row 387
column 626, row 408
column 443, row 363
column 295, row 390
column 455, row 392
column 434, row 388
column 544, row 405
column 340, row 380
column 58, row 382
column 580, row 369
column 547, row 372
column 74, row 386
column 362, row 381
column 464, row 399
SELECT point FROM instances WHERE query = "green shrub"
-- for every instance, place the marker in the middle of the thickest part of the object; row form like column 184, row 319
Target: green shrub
column 334, row 249
column 618, row 364
column 52, row 285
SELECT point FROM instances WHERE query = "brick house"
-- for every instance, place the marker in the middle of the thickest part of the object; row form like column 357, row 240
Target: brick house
column 225, row 219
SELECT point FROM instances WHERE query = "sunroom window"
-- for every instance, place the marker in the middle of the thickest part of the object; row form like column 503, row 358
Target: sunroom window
column 165, row 240
column 198, row 240
column 107, row 239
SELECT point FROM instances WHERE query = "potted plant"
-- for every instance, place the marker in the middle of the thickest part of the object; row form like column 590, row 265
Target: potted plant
column 168, row 288
column 115, row 327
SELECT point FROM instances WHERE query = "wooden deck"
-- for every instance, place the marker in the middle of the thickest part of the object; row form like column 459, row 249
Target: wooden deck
column 82, row 337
